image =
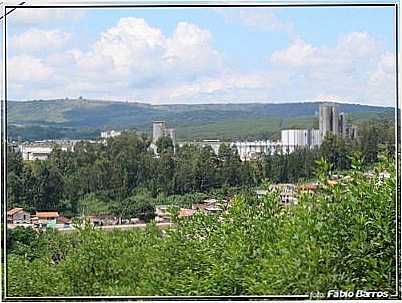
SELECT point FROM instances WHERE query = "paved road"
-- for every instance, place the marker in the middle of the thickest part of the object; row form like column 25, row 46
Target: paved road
column 122, row 227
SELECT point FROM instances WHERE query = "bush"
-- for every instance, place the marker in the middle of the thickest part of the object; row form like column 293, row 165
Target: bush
column 341, row 237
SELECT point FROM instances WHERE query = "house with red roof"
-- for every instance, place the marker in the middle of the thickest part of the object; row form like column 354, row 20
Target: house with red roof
column 17, row 216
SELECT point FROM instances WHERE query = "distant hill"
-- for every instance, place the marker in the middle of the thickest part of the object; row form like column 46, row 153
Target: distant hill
column 73, row 117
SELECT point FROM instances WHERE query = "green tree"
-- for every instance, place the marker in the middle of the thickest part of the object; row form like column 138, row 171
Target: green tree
column 164, row 145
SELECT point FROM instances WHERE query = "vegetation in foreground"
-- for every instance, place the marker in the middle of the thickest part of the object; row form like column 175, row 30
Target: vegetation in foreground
column 341, row 237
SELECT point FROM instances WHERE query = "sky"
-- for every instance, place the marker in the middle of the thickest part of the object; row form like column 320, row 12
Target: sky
column 203, row 55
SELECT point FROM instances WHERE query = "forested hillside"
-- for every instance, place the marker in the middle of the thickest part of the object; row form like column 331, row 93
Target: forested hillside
column 80, row 118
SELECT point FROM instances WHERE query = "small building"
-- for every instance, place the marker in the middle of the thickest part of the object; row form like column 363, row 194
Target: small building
column 186, row 212
column 110, row 134
column 18, row 216
column 62, row 222
column 104, row 219
column 47, row 215
column 162, row 210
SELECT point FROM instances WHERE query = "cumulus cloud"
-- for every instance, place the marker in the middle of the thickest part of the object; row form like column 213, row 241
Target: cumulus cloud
column 357, row 68
column 134, row 60
column 385, row 70
column 350, row 47
column 137, row 50
column 130, row 57
column 34, row 40
column 26, row 69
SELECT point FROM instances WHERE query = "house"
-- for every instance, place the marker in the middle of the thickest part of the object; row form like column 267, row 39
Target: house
column 186, row 212
column 62, row 222
column 45, row 218
column 17, row 216
column 162, row 213
column 207, row 205
column 162, row 210
column 103, row 220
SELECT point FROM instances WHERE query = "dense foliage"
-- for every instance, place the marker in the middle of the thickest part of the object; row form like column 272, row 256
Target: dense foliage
column 341, row 237
column 111, row 178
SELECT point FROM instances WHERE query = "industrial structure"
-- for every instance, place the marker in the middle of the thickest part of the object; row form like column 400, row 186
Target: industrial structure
column 292, row 138
column 160, row 130
column 330, row 121
column 110, row 134
column 40, row 150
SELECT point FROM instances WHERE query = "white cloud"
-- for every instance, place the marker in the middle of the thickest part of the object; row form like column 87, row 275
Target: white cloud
column 385, row 71
column 130, row 58
column 26, row 70
column 349, row 48
column 299, row 53
column 141, row 54
column 261, row 19
column 136, row 61
column 357, row 68
column 34, row 40
column 39, row 16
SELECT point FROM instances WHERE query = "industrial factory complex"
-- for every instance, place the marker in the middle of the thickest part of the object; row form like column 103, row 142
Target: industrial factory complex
column 330, row 121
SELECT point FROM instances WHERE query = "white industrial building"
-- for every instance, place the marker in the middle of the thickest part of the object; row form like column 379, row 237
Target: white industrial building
column 40, row 150
column 249, row 150
column 293, row 138
column 110, row 134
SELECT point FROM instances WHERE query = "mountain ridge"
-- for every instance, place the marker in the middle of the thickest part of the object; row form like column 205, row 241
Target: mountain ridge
column 100, row 115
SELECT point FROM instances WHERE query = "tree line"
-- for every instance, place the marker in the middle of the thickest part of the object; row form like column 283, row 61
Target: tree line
column 124, row 177
column 335, row 238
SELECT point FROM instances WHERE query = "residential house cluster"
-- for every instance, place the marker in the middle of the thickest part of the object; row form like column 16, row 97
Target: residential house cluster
column 208, row 206
column 41, row 219
column 288, row 192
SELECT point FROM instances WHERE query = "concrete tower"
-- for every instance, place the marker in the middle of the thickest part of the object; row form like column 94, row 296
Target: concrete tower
column 159, row 128
column 328, row 120
column 342, row 124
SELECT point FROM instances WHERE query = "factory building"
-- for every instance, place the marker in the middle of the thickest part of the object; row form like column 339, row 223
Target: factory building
column 249, row 150
column 328, row 120
column 110, row 134
column 293, row 138
column 40, row 150
column 160, row 130
column 331, row 121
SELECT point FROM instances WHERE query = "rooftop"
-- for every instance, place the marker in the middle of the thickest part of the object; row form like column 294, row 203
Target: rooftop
column 47, row 214
column 13, row 211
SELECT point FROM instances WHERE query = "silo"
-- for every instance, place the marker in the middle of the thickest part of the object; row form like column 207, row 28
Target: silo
column 342, row 124
column 335, row 120
column 172, row 135
column 158, row 130
column 328, row 120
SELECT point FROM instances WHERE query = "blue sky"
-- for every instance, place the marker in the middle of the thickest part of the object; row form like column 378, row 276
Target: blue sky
column 203, row 55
